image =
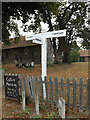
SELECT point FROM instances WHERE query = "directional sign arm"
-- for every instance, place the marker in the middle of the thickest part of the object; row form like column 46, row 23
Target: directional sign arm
column 50, row 34
column 53, row 34
column 35, row 38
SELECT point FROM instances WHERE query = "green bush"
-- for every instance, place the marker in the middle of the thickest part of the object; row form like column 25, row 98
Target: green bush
column 51, row 115
column 74, row 55
column 5, row 69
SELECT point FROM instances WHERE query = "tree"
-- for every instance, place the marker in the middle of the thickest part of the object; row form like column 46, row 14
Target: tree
column 74, row 54
column 12, row 11
column 66, row 16
column 86, row 38
column 75, row 46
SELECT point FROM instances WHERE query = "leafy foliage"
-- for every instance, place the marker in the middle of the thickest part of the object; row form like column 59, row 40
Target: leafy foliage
column 42, row 107
column 86, row 38
column 51, row 115
column 75, row 46
column 27, row 110
column 74, row 55
column 69, row 16
column 12, row 11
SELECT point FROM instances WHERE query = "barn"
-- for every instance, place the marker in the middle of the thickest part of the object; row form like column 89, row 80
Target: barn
column 24, row 51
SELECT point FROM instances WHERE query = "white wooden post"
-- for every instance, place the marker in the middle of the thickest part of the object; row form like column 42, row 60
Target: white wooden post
column 61, row 107
column 41, row 39
column 44, row 62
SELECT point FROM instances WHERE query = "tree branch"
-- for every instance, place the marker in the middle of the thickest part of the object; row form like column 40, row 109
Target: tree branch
column 69, row 17
column 67, row 9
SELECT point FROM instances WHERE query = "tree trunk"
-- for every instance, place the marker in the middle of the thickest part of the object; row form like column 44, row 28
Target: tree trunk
column 57, row 58
column 66, row 58
column 57, row 54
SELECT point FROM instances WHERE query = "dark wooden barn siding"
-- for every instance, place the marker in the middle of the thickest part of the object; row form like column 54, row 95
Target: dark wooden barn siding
column 26, row 54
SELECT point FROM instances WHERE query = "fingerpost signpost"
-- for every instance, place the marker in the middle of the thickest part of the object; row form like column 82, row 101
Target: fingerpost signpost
column 41, row 38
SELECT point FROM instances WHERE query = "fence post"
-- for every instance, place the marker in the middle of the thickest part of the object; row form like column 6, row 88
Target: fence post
column 68, row 94
column 27, row 79
column 37, row 104
column 88, row 97
column 37, row 86
column 23, row 100
column 41, row 86
column 46, row 88
column 20, row 83
column 81, row 94
column 3, row 76
column 56, row 89
column 23, row 78
column 74, row 94
column 61, row 107
column 32, row 88
column 62, row 87
column 51, row 89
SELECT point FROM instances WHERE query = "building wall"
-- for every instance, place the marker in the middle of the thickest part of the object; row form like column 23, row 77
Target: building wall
column 24, row 54
column 27, row 54
column 85, row 59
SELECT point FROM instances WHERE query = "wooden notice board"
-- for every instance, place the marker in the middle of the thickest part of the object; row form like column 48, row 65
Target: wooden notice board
column 11, row 87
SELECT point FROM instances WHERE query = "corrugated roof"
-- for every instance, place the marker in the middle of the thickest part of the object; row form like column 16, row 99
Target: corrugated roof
column 21, row 43
column 84, row 52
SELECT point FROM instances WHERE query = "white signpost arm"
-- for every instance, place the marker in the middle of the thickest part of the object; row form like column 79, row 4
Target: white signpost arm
column 50, row 34
column 54, row 34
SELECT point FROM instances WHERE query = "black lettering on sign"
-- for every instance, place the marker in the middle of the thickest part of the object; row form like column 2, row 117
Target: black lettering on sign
column 11, row 87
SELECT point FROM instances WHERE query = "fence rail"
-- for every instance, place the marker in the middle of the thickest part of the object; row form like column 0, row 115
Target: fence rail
column 76, row 95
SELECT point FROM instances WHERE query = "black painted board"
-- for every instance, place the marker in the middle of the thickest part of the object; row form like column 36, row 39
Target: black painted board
column 11, row 87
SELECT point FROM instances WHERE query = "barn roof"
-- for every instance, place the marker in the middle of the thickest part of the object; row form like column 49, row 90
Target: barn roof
column 21, row 43
column 84, row 52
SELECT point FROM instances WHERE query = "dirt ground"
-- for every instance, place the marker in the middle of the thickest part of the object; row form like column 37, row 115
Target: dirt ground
column 13, row 109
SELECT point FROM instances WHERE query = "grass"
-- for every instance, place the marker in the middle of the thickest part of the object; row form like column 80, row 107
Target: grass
column 77, row 70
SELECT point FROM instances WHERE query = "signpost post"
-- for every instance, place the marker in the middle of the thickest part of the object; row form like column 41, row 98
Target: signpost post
column 41, row 39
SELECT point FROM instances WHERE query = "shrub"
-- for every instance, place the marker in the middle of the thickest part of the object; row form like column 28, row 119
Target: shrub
column 74, row 55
